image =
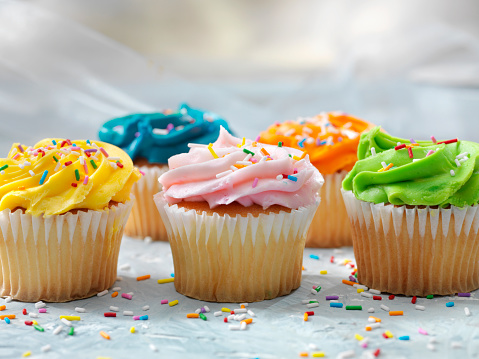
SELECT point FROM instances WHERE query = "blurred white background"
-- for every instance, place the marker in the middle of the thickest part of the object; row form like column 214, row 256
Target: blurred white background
column 68, row 66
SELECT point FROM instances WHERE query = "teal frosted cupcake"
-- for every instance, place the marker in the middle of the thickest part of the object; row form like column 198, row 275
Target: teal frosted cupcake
column 150, row 139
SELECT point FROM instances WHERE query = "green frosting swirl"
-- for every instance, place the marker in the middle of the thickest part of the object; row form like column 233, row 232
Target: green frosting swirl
column 428, row 181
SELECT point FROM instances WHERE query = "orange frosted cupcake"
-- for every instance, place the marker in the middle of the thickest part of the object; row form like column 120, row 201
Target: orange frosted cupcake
column 331, row 141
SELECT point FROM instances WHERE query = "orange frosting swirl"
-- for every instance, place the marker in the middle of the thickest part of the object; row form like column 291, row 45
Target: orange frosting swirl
column 330, row 139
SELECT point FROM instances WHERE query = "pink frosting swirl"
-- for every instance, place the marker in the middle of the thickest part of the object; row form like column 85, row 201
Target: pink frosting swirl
column 198, row 176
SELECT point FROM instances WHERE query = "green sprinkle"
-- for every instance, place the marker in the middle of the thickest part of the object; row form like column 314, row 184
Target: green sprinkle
column 3, row 167
column 318, row 288
column 289, row 155
column 39, row 328
column 280, row 144
column 430, row 296
column 248, row 152
column 56, row 160
column 93, row 164
column 77, row 175
column 70, row 332
column 313, row 301
column 356, row 274
column 354, row 307
column 202, row 316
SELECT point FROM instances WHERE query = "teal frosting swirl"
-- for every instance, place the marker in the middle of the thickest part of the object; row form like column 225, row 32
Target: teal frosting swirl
column 445, row 177
column 158, row 136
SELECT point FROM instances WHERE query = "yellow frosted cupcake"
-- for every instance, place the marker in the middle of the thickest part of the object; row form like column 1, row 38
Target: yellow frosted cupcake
column 63, row 207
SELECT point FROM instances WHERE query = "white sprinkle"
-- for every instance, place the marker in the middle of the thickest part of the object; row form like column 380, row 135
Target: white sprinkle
column 58, row 329
column 113, row 165
column 125, row 266
column 313, row 292
column 234, row 327
column 241, row 317
column 374, row 325
column 243, row 326
column 217, row 314
column 374, row 291
column 456, row 345
column 198, row 311
column 385, row 307
column 371, row 310
column 21, row 166
column 346, row 354
column 452, row 173
column 373, row 151
column 114, row 309
column 148, row 239
column 231, row 317
column 80, row 310
column 432, row 340
column 458, row 164
column 312, row 305
column 94, row 145
column 192, row 145
column 245, row 163
column 57, row 167
column 233, row 168
column 399, row 143
column 248, row 157
column 420, row 307
column 463, row 160
column 33, row 315
column 279, row 177
column 431, row 346
column 366, row 294
column 307, row 130
column 384, row 164
column 113, row 159
column 119, row 279
column 223, row 174
column 416, row 159
column 371, row 320
column 115, row 289
column 241, row 310
column 31, row 173
column 82, row 160
column 26, row 163
column 127, row 312
column 245, row 304
column 364, row 342
column 313, row 346
column 130, row 293
column 461, row 155
column 40, row 304
column 290, row 132
column 305, row 301
column 146, row 307
column 66, row 322
column 101, row 294
column 46, row 348
column 153, row 348
column 360, row 286
column 467, row 312
column 251, row 313
column 207, row 309
column 2, row 173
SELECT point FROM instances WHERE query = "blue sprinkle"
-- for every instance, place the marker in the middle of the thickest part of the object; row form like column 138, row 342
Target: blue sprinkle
column 7, row 320
column 54, row 142
column 450, row 304
column 292, row 178
column 43, row 177
column 323, row 142
column 404, row 337
column 88, row 141
column 301, row 143
column 74, row 145
column 336, row 305
column 144, row 317
column 173, row 275
column 314, row 256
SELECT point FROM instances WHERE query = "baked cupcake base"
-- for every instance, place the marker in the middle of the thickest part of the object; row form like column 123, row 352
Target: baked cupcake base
column 415, row 250
column 60, row 258
column 237, row 258
column 144, row 219
column 330, row 226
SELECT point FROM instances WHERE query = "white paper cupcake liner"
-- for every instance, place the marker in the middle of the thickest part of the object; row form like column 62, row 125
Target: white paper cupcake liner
column 236, row 259
column 62, row 257
column 415, row 250
column 330, row 226
column 144, row 219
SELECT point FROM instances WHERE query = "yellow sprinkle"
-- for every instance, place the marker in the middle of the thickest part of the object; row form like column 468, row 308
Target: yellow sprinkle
column 35, row 322
column 244, row 141
column 132, row 330
column 359, row 290
column 173, row 303
column 318, row 355
column 167, row 280
column 296, row 158
column 27, row 354
column 386, row 168
column 213, row 153
column 388, row 334
column 70, row 317
column 323, row 272
column 358, row 337
column 225, row 310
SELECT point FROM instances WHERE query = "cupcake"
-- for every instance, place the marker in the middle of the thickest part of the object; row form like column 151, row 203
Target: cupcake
column 150, row 139
column 237, row 213
column 331, row 141
column 413, row 209
column 63, row 207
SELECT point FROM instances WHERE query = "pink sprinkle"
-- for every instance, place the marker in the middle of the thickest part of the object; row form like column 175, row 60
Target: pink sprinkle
column 42, row 310
column 364, row 344
column 136, row 317
column 142, row 173
column 412, row 141
column 422, row 331
column 257, row 139
column 16, row 156
column 430, row 152
column 254, row 160
column 170, row 127
column 255, row 182
column 126, row 296
column 85, row 181
column 433, row 140
column 75, row 148
column 314, row 287
column 85, row 167
column 104, row 152
column 164, row 301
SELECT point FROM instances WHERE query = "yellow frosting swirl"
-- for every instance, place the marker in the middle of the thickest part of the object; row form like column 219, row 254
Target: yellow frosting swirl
column 53, row 177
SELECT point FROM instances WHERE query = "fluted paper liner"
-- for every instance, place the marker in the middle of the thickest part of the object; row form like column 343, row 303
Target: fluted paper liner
column 330, row 226
column 415, row 250
column 236, row 259
column 60, row 258
column 144, row 219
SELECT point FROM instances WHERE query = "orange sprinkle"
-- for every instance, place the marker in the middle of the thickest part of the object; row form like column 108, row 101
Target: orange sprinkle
column 192, row 315
column 396, row 312
column 376, row 319
column 3, row 307
column 114, row 294
column 21, row 188
column 143, row 277
column 254, row 144
column 242, row 306
column 386, row 168
column 304, row 354
column 239, row 166
column 248, row 321
column 305, row 317
column 303, row 155
column 9, row 316
column 264, row 152
column 303, row 268
column 104, row 335
column 268, row 159
column 348, row 282
column 368, row 328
